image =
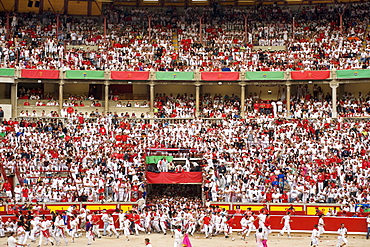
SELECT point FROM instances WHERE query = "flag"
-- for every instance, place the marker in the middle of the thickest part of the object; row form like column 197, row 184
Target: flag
column 130, row 75
column 360, row 73
column 265, row 75
column 310, row 75
column 220, row 76
column 40, row 74
column 174, row 76
column 186, row 241
column 6, row 72
column 85, row 74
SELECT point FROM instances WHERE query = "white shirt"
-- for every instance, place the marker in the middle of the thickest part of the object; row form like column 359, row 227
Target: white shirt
column 178, row 234
column 315, row 234
column 11, row 241
column 342, row 232
column 286, row 219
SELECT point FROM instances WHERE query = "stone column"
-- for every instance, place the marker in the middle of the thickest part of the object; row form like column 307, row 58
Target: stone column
column 197, row 96
column 288, row 100
column 106, row 97
column 242, row 100
column 151, row 98
column 334, row 87
column 14, row 99
column 61, row 83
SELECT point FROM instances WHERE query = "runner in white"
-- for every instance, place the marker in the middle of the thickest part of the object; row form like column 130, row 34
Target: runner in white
column 251, row 225
column 111, row 228
column 287, row 220
column 45, row 226
column 342, row 236
column 244, row 224
column 321, row 225
column 74, row 224
column 60, row 230
column 315, row 236
column 126, row 227
column 163, row 217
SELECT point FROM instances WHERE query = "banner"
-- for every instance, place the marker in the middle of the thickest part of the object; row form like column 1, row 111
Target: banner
column 361, row 73
column 130, row 75
column 174, row 178
column 220, row 76
column 6, row 72
column 84, row 74
column 155, row 159
column 265, row 75
column 174, row 76
column 310, row 75
column 40, row 74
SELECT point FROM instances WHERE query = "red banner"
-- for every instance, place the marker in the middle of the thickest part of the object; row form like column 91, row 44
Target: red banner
column 40, row 74
column 173, row 178
column 220, row 76
column 130, row 75
column 310, row 75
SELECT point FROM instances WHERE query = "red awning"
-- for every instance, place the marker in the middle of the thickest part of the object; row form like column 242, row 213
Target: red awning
column 174, row 178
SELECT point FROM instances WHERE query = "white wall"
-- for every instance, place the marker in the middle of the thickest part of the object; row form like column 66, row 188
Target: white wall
column 7, row 110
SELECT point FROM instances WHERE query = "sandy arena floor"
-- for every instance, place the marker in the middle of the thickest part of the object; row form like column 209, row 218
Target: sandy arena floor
column 159, row 240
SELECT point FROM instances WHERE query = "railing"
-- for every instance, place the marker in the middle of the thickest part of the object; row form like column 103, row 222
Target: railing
column 165, row 76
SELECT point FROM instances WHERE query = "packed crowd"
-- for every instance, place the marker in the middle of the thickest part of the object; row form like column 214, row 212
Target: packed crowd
column 310, row 39
column 243, row 160
column 305, row 103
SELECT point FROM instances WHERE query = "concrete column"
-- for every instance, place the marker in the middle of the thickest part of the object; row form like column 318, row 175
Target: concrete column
column 151, row 98
column 288, row 100
column 14, row 99
column 334, row 87
column 106, row 96
column 61, row 83
column 197, row 96
column 242, row 100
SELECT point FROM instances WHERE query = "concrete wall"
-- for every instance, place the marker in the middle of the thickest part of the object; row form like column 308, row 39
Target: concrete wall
column 174, row 89
column 75, row 89
column 221, row 89
column 2, row 90
column 364, row 88
column 140, row 89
